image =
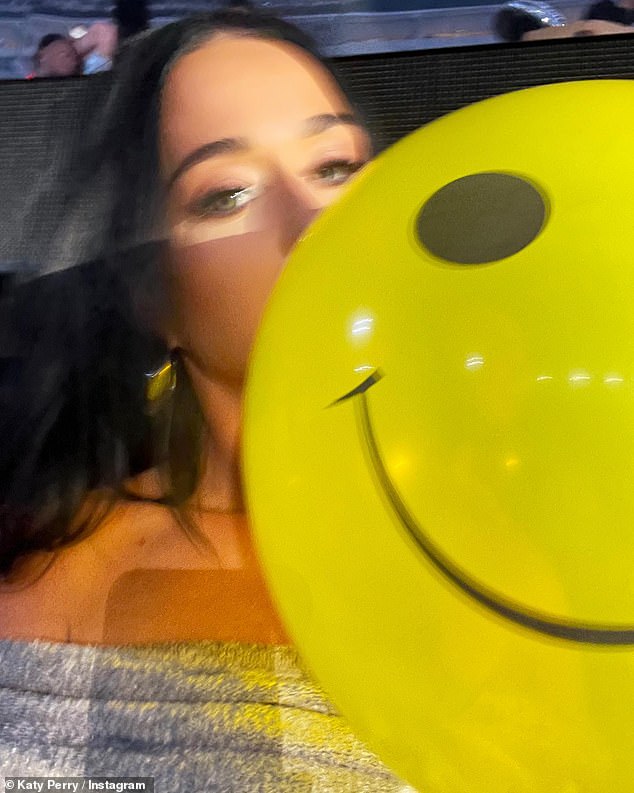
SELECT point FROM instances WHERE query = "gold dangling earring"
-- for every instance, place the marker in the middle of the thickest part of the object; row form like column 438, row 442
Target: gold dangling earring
column 160, row 384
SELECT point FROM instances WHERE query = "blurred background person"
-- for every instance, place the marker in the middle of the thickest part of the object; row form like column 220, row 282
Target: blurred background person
column 83, row 51
column 525, row 20
column 582, row 27
column 56, row 56
column 96, row 46
column 519, row 17
column 621, row 13
column 130, row 17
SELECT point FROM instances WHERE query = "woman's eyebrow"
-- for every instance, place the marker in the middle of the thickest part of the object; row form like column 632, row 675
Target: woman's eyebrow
column 317, row 124
column 205, row 152
column 314, row 125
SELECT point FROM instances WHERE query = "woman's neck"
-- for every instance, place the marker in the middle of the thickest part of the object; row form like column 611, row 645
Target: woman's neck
column 220, row 486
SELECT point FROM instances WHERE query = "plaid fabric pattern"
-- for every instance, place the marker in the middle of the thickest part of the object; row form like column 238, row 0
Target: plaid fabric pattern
column 201, row 717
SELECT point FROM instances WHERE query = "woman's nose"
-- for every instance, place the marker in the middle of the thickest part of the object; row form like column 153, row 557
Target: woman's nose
column 299, row 205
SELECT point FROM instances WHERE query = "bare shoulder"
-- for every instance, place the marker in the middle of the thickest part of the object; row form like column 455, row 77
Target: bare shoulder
column 140, row 578
column 60, row 596
column 30, row 606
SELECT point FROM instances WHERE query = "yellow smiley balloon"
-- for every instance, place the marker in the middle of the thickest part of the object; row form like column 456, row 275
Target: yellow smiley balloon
column 439, row 447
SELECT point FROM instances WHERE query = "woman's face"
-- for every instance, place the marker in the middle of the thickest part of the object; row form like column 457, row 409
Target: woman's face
column 255, row 139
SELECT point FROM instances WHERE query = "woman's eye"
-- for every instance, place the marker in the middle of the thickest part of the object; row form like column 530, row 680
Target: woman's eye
column 337, row 172
column 222, row 203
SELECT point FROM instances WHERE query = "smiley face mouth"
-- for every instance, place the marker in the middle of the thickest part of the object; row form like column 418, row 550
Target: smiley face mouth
column 494, row 602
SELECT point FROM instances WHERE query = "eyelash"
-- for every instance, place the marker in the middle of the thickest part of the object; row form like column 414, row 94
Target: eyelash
column 349, row 167
column 209, row 205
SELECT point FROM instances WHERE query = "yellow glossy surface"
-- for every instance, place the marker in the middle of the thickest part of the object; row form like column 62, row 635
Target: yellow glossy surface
column 503, row 418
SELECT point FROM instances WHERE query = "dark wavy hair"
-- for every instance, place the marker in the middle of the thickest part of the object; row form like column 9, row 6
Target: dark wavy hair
column 77, row 343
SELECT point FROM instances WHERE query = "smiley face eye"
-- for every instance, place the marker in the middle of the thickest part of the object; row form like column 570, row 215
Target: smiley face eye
column 481, row 218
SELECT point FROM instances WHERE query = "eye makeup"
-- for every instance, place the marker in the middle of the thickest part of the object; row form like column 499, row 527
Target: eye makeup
column 223, row 203
column 231, row 201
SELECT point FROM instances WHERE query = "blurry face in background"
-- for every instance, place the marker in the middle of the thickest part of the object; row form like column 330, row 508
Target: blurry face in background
column 59, row 59
column 255, row 139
